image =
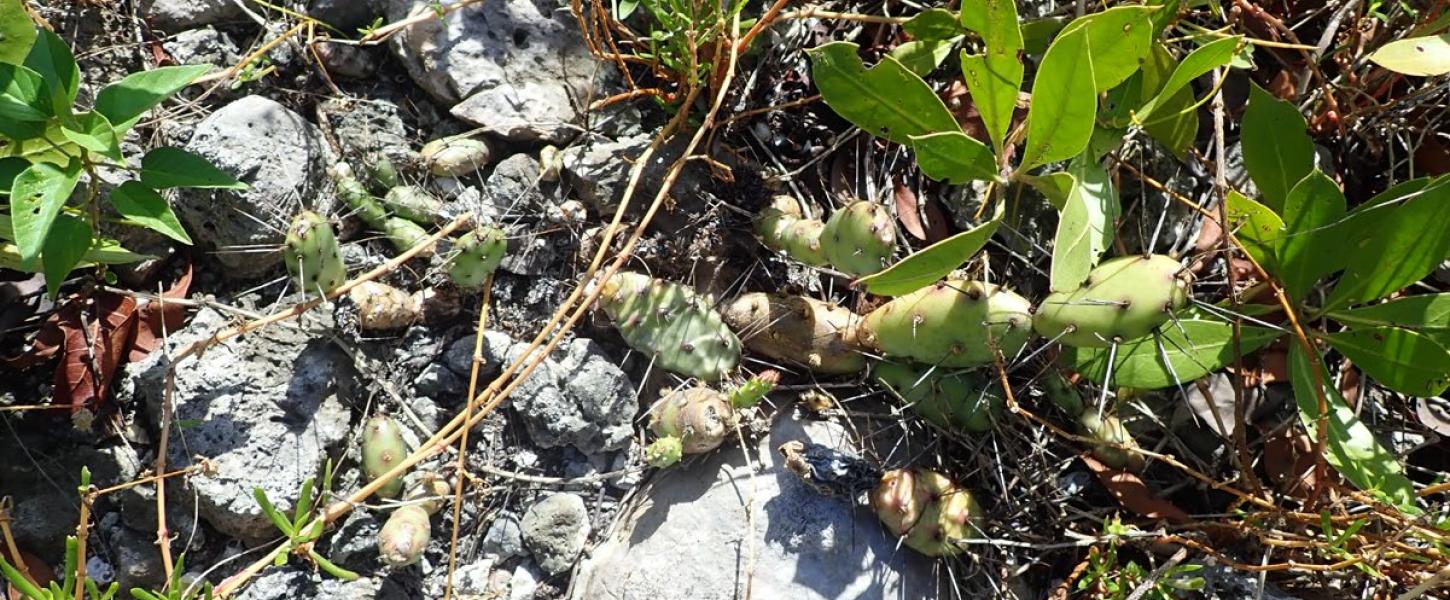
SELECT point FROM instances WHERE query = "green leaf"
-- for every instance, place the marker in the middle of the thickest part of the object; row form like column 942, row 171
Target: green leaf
column 271, row 511
column 1191, row 347
column 1037, row 34
column 1421, row 56
column 933, row 262
column 67, row 244
column 125, row 101
column 51, row 58
column 168, row 167
column 954, row 157
column 934, row 24
column 923, row 56
column 304, row 505
column 143, row 206
column 36, row 198
column 1064, row 103
column 10, row 167
column 1176, row 127
column 995, row 78
column 974, row 15
column 17, row 33
column 1118, row 39
column 1210, row 56
column 1425, row 312
column 1053, row 186
column 91, row 130
column 1407, row 242
column 24, row 102
column 1308, row 249
column 1255, row 226
column 887, row 101
column 1352, row 448
column 331, row 568
column 1085, row 228
column 1400, row 359
column 18, row 579
column 1276, row 145
column 102, row 252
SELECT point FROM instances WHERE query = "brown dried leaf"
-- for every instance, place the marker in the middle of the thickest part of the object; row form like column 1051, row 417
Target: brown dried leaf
column 1289, row 462
column 36, row 570
column 152, row 320
column 1133, row 494
column 936, row 222
column 96, row 342
column 906, row 211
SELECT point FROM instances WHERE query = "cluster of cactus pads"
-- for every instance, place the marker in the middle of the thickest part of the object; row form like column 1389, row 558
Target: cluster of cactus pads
column 672, row 324
column 857, row 240
column 697, row 420
column 927, row 510
column 401, row 232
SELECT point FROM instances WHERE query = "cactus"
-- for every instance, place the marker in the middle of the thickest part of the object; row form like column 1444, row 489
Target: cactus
column 951, row 324
column 700, row 417
column 403, row 234
column 664, row 452
column 671, row 323
column 383, row 173
column 859, row 238
column 927, row 510
column 551, row 161
column 312, row 254
column 381, row 307
column 413, row 203
column 476, row 255
column 797, row 329
column 753, row 391
column 455, row 157
column 1107, row 430
column 948, row 400
column 782, row 228
column 1123, row 298
column 404, row 536
column 1060, row 391
column 382, row 449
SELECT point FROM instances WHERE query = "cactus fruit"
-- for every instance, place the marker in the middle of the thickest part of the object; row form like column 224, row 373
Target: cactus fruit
column 700, row 417
column 476, row 255
column 927, row 510
column 948, row 400
column 1108, row 430
column 403, row 234
column 671, row 323
column 782, row 228
column 1123, row 298
column 1060, row 391
column 413, row 203
column 951, row 324
column 753, row 391
column 455, row 157
column 797, row 329
column 859, row 239
column 664, row 452
column 382, row 449
column 381, row 307
column 312, row 254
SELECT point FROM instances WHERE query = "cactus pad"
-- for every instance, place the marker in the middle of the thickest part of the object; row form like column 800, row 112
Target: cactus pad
column 797, row 329
column 402, row 233
column 927, row 510
column 1110, row 430
column 664, row 452
column 1123, row 299
column 700, row 417
column 948, row 400
column 476, row 255
column 312, row 254
column 782, row 228
column 455, row 157
column 383, row 449
column 951, row 324
column 753, row 391
column 413, row 203
column 859, row 239
column 404, row 536
column 381, row 307
column 671, row 323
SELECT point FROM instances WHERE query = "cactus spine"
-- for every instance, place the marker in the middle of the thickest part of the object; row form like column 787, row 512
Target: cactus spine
column 1123, row 298
column 951, row 324
column 859, row 238
column 948, row 400
column 476, row 255
column 455, row 157
column 403, row 234
column 782, row 228
column 312, row 254
column 413, row 203
column 671, row 323
column 927, row 510
column 797, row 329
column 383, row 449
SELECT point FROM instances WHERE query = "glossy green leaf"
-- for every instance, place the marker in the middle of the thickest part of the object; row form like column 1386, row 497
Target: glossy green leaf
column 1064, row 103
column 1408, row 241
column 1038, row 34
column 1255, row 226
column 10, row 167
column 934, row 24
column 24, row 102
column 17, row 33
column 65, row 247
column 36, row 198
column 932, row 263
column 1352, row 448
column 1308, row 249
column 1277, row 149
column 1119, row 40
column 1425, row 312
column 143, row 206
column 1179, row 354
column 1054, row 186
column 973, row 16
column 168, row 167
column 52, row 59
column 1085, row 227
column 1400, row 359
column 102, row 252
column 125, row 101
column 1424, row 56
column 1210, row 56
column 272, row 513
column 954, row 157
column 995, row 77
column 1176, row 125
column 923, row 56
column 887, row 101
column 91, row 130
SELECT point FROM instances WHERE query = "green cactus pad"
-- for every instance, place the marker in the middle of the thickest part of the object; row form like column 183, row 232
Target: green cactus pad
column 927, row 510
column 781, row 228
column 476, row 256
column 948, row 400
column 671, row 323
column 402, row 233
column 404, row 536
column 1123, row 299
column 859, row 239
column 664, row 452
column 796, row 329
column 701, row 418
column 455, row 157
column 753, row 391
column 951, row 324
column 383, row 449
column 312, row 254
column 1061, row 392
column 413, row 203
column 384, row 174
column 1109, row 429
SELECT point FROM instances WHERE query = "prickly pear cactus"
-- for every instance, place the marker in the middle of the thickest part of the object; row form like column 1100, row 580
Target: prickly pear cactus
column 381, row 307
column 1124, row 298
column 797, row 329
column 384, row 174
column 859, row 238
column 664, row 452
column 402, row 233
column 1109, row 429
column 753, row 391
column 312, row 254
column 782, row 228
column 383, row 449
column 413, row 203
column 951, row 324
column 927, row 510
column 476, row 255
column 671, row 323
column 948, row 400
column 1060, row 391
column 700, row 417
column 455, row 157
column 404, row 536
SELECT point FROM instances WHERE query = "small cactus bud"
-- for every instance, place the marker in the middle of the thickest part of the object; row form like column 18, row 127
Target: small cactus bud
column 476, row 255
column 781, row 228
column 384, row 174
column 551, row 161
column 312, row 254
column 664, row 452
column 381, row 307
column 413, row 203
column 700, row 417
column 859, row 239
column 927, row 510
column 1110, row 430
column 383, row 449
column 753, row 391
column 455, row 157
column 404, row 536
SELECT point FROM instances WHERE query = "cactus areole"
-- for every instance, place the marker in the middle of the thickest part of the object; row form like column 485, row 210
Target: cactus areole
column 951, row 324
column 1123, row 299
column 671, row 323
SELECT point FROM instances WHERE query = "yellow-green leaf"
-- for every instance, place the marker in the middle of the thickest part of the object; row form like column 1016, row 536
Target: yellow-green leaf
column 1118, row 39
column 1277, row 149
column 995, row 77
column 887, row 100
column 1400, row 359
column 932, row 263
column 36, row 197
column 1399, row 242
column 1064, row 102
column 1422, row 56
column 1181, row 353
column 17, row 33
column 954, row 157
column 1085, row 227
column 1308, row 248
column 143, row 206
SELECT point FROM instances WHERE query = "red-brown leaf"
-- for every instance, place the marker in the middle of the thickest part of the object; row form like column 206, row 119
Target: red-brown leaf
column 1133, row 494
column 906, row 211
column 96, row 342
column 153, row 321
column 36, row 570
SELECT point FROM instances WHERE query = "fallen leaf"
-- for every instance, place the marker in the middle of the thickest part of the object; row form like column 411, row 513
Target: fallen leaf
column 153, row 321
column 906, row 211
column 36, row 570
column 1133, row 494
column 96, row 342
column 936, row 222
column 1289, row 462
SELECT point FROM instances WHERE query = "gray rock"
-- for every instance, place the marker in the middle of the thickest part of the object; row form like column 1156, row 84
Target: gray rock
column 519, row 67
column 347, row 15
column 266, row 413
column 176, row 15
column 514, row 186
column 591, row 408
column 689, row 538
column 138, row 512
column 534, row 254
column 295, row 583
column 473, row 579
column 437, row 380
column 555, row 529
column 496, row 344
column 504, row 539
column 204, row 46
column 598, row 172
column 137, row 560
column 524, row 583
column 355, row 543
column 42, row 484
column 275, row 151
column 367, row 126
column 349, row 61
